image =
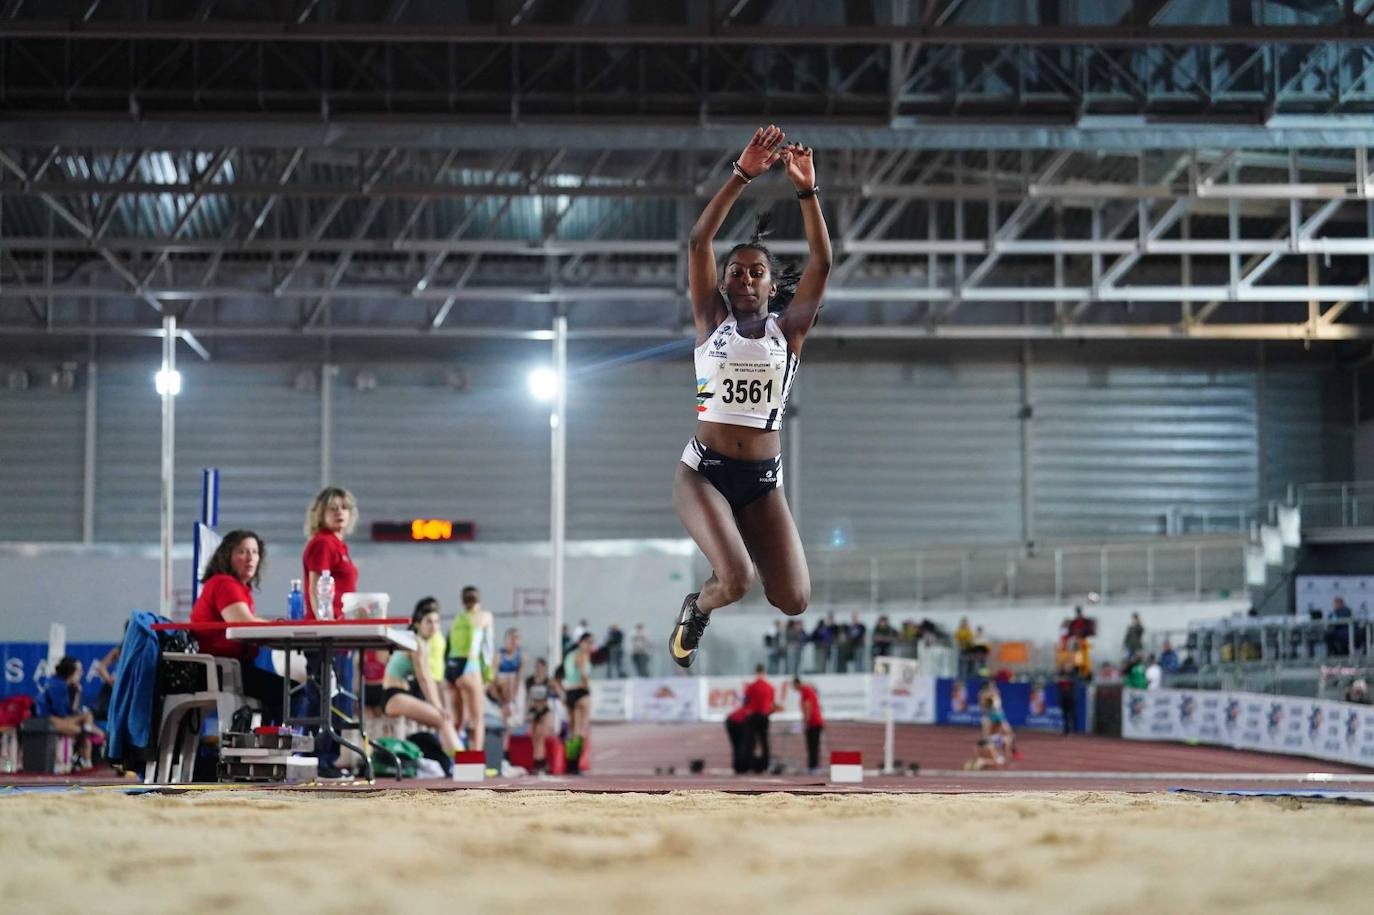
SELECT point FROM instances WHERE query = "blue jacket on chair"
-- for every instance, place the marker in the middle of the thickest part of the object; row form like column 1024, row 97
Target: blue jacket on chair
column 130, row 724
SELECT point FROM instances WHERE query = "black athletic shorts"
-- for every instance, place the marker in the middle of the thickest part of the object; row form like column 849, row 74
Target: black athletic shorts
column 455, row 668
column 740, row 482
column 575, row 695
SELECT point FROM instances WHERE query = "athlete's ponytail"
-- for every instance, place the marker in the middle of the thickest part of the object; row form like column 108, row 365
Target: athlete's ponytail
column 784, row 275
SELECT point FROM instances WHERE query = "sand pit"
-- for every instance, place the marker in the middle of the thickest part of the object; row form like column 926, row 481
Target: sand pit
column 477, row 851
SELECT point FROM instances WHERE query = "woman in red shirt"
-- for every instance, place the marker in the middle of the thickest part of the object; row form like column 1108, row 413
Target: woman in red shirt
column 226, row 596
column 332, row 516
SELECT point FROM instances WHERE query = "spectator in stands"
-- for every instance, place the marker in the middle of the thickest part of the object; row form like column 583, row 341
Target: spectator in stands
column 409, row 689
column 839, row 649
column 858, row 633
column 963, row 636
column 910, row 638
column 1168, row 658
column 539, row 690
column 821, row 639
column 639, row 651
column 615, row 652
column 1081, row 650
column 775, row 646
column 1154, row 674
column 60, row 701
column 1134, row 642
column 567, row 640
column 1080, row 627
column 796, row 638
column 1135, row 675
column 1340, row 635
column 1066, row 682
column 813, row 721
column 226, row 596
column 1358, row 692
column 884, row 634
column 963, row 644
column 577, row 671
column 1188, row 665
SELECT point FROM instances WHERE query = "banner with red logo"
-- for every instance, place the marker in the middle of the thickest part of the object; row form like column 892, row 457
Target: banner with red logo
column 1320, row 728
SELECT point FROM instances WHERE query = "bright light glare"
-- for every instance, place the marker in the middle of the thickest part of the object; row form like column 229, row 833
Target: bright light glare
column 167, row 382
column 543, row 384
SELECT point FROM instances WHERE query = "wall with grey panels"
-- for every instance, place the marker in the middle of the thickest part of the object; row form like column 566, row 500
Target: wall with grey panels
column 42, row 459
column 416, row 447
column 888, row 451
column 1116, row 448
column 909, row 453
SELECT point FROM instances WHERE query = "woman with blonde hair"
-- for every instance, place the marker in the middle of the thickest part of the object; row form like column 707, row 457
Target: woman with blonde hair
column 332, row 516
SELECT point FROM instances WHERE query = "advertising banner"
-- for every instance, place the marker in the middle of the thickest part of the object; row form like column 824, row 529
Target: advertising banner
column 611, row 700
column 24, row 667
column 912, row 699
column 669, row 699
column 1026, row 705
column 1324, row 729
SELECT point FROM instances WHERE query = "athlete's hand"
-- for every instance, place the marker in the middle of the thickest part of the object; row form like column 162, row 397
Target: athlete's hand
column 801, row 168
column 762, row 151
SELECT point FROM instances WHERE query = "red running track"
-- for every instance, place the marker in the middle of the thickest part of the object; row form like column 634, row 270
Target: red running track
column 624, row 758
column 640, row 749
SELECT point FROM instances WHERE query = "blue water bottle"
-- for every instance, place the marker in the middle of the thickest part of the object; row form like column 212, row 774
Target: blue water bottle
column 295, row 601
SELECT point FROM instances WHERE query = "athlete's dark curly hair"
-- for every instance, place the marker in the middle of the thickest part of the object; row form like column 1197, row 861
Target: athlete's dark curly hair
column 785, row 275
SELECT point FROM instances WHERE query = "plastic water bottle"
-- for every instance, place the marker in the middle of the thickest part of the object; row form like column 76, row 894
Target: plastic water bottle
column 324, row 596
column 295, row 601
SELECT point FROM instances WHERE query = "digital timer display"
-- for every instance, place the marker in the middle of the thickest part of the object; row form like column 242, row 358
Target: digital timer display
column 423, row 530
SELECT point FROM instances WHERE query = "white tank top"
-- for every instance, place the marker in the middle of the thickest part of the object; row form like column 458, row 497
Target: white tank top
column 742, row 381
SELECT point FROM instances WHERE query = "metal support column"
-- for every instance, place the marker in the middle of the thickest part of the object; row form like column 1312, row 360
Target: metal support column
column 167, row 601
column 558, row 435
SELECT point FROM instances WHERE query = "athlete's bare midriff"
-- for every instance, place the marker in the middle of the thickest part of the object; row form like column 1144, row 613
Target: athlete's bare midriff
column 743, row 443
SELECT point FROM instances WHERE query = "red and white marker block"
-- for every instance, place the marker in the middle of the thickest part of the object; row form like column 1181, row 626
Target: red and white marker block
column 846, row 766
column 469, row 766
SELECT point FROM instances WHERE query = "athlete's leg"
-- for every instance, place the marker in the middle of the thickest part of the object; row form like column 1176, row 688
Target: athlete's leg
column 771, row 537
column 474, row 705
column 403, row 706
column 709, row 521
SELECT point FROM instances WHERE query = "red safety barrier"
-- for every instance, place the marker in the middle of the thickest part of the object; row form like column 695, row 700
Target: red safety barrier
column 212, row 626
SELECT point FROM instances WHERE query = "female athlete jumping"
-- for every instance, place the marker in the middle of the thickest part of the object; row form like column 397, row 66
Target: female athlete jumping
column 750, row 327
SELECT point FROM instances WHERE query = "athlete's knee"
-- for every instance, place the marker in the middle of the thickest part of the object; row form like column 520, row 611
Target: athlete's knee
column 790, row 600
column 734, row 583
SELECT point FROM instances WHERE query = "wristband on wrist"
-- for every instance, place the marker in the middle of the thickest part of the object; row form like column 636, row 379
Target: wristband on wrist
column 740, row 173
column 802, row 195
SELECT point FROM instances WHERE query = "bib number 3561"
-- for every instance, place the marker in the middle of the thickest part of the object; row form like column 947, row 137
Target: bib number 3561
column 742, row 391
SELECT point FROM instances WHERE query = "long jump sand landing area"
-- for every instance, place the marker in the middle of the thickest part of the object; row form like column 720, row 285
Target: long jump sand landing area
column 689, row 852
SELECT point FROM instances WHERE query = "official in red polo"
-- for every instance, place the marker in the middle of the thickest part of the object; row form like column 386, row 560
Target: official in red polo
column 812, row 720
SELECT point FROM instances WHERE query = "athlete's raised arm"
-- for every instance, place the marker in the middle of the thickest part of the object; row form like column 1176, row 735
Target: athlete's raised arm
column 708, row 309
column 800, row 314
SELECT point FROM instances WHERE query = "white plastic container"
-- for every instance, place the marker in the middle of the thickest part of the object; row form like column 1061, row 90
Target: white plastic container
column 362, row 605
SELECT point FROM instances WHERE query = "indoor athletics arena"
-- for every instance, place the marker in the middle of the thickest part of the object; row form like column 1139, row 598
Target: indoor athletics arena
column 434, row 478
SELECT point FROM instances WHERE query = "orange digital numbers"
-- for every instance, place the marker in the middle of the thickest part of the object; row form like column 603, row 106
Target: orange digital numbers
column 431, row 529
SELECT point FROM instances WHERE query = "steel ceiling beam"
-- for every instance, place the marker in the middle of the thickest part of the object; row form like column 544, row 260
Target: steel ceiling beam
column 719, row 132
column 1303, row 331
column 459, row 32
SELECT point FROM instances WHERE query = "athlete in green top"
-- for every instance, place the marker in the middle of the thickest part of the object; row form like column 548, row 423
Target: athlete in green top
column 470, row 667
